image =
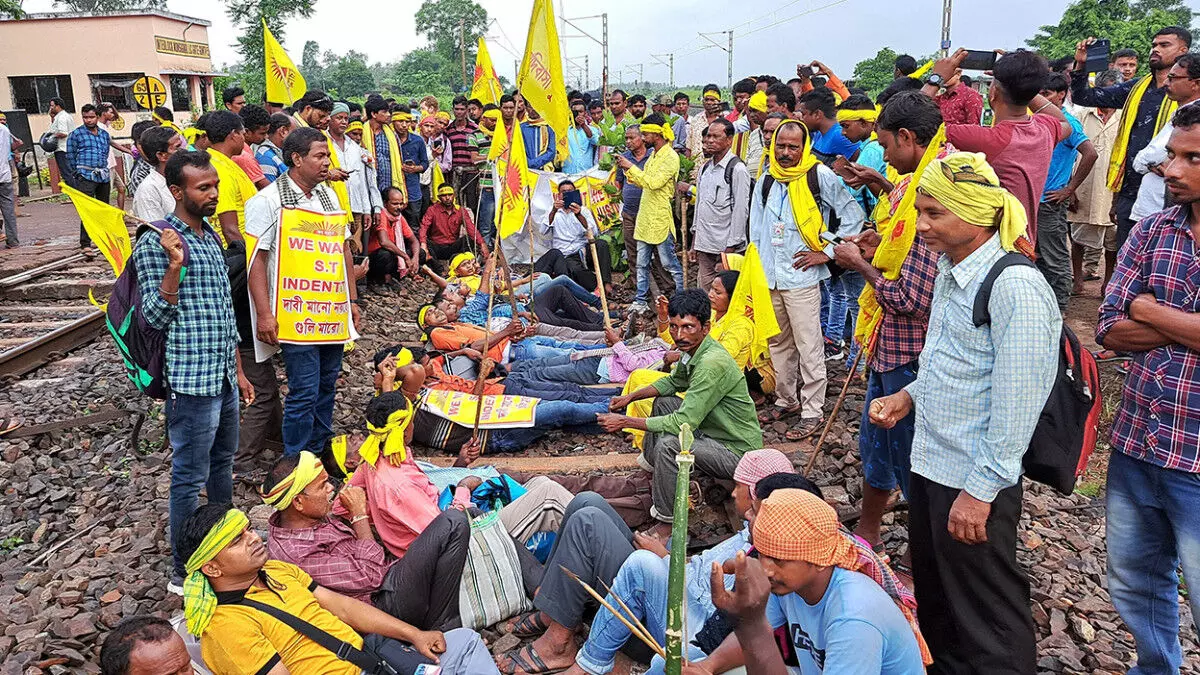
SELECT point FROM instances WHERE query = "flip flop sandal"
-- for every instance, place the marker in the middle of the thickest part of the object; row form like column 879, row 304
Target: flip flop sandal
column 9, row 425
column 799, row 433
column 529, row 625
column 534, row 666
column 775, row 414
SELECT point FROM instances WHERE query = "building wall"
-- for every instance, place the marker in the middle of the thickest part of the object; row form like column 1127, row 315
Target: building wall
column 84, row 46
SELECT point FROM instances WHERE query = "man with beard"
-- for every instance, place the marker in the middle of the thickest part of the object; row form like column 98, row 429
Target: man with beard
column 202, row 364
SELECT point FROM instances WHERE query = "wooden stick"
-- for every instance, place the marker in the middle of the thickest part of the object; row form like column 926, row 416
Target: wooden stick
column 600, row 282
column 683, row 238
column 838, row 405
column 512, row 296
column 532, row 260
column 485, row 364
column 625, row 607
column 648, row 640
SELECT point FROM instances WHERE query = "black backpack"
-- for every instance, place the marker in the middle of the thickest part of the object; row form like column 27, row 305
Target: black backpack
column 143, row 347
column 1065, row 435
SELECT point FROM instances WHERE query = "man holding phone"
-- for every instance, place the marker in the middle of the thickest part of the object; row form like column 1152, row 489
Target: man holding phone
column 1147, row 110
column 570, row 226
column 582, row 140
column 415, row 160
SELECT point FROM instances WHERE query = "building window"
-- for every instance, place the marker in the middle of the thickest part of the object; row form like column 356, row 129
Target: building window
column 181, row 94
column 115, row 88
column 205, row 93
column 33, row 94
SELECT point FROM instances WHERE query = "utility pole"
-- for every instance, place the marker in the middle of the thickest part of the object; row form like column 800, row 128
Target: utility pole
column 604, row 56
column 727, row 48
column 603, row 42
column 640, row 72
column 462, row 42
column 587, row 77
column 946, row 11
column 729, row 84
column 669, row 63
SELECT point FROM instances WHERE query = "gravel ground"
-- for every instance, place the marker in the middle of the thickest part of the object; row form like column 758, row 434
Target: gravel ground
column 83, row 513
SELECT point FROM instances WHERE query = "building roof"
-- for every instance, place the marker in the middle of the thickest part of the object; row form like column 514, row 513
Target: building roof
column 96, row 15
column 203, row 73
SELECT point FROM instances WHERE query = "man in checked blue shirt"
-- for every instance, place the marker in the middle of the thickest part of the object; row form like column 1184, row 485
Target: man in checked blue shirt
column 978, row 395
column 195, row 307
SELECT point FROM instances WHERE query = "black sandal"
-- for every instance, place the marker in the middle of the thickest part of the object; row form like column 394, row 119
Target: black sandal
column 529, row 625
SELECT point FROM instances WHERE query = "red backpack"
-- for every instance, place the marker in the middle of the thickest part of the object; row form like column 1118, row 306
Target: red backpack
column 1065, row 435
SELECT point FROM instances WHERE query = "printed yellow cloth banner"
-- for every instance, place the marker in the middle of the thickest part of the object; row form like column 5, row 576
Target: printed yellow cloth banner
column 516, row 183
column 500, row 411
column 540, row 79
column 486, row 85
column 284, row 82
column 312, row 294
column 605, row 208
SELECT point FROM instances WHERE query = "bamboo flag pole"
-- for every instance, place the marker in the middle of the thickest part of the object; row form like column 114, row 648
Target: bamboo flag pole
column 485, row 366
column 599, row 281
column 679, row 538
column 512, row 296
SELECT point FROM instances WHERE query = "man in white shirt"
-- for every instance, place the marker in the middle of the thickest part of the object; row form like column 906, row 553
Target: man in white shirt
column 1183, row 87
column 568, row 225
column 62, row 123
column 153, row 199
column 8, row 210
column 722, row 202
column 365, row 202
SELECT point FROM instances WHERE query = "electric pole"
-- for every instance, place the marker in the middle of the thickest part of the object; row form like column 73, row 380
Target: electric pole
column 946, row 11
column 462, row 42
column 603, row 42
column 728, row 50
column 604, row 57
column 669, row 63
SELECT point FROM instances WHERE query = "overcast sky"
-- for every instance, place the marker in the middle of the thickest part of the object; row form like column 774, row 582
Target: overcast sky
column 772, row 37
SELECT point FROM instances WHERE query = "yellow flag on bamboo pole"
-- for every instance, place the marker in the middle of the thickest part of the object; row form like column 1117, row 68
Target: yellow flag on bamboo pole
column 516, row 182
column 285, row 84
column 486, row 85
column 105, row 224
column 540, row 79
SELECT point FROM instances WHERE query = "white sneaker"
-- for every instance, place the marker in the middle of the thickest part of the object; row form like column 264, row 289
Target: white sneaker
column 175, row 585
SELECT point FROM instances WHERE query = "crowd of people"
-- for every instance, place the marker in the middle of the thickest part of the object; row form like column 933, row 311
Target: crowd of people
column 824, row 224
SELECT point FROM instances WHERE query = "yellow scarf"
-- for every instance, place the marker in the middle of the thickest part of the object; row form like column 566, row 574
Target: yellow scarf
column 805, row 210
column 1120, row 148
column 389, row 438
column 199, row 599
column 967, row 185
column 896, row 236
column 393, row 152
column 308, row 467
column 752, row 296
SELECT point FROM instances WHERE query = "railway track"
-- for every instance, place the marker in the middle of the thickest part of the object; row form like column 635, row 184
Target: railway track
column 45, row 314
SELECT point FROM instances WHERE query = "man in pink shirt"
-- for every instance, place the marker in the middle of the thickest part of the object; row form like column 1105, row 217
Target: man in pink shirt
column 1018, row 145
column 256, row 120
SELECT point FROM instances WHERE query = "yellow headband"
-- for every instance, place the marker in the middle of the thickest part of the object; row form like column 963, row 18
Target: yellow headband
column 445, row 190
column 355, row 126
column 421, row 315
column 663, row 130
column 458, row 259
column 967, row 185
column 443, row 115
column 192, row 133
column 199, row 599
column 492, row 114
column 712, row 93
column 758, row 102
column 389, row 437
column 863, row 115
column 307, row 469
column 401, row 116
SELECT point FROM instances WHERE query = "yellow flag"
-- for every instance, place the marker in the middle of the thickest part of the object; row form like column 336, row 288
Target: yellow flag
column 285, row 84
column 512, row 168
column 499, row 140
column 105, row 224
column 486, row 86
column 540, row 79
column 752, row 296
column 439, row 179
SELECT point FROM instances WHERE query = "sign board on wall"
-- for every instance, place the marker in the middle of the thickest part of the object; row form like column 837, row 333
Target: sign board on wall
column 177, row 47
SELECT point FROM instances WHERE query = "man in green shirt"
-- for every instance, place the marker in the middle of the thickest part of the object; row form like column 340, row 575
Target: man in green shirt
column 717, row 406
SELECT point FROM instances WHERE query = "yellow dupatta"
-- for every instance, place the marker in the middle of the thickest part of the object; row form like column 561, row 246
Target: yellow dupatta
column 1120, row 148
column 393, row 153
column 805, row 210
column 896, row 235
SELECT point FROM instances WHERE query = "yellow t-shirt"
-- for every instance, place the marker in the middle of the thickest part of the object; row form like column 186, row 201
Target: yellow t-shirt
column 243, row 640
column 233, row 191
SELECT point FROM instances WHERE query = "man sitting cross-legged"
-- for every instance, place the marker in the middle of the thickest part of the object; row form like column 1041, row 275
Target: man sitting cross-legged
column 419, row 587
column 232, row 585
column 717, row 406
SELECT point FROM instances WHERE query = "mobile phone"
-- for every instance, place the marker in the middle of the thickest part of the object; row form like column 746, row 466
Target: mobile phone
column 979, row 60
column 841, row 166
column 1098, row 56
column 831, row 237
column 572, row 197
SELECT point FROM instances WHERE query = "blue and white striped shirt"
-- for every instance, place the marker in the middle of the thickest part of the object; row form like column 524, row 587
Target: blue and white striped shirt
column 980, row 391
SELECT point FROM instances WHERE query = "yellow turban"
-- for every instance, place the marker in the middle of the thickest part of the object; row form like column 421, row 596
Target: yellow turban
column 758, row 102
column 199, row 599
column 389, row 438
column 443, row 115
column 493, row 114
column 421, row 315
column 402, row 116
column 192, row 133
column 663, row 130
column 307, row 469
column 355, row 126
column 967, row 185
column 864, row 115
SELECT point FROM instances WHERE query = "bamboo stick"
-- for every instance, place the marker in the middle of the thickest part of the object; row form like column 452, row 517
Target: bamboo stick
column 837, row 406
column 677, row 577
column 649, row 641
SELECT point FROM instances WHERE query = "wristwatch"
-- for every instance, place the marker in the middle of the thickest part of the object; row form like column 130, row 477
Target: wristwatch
column 936, row 80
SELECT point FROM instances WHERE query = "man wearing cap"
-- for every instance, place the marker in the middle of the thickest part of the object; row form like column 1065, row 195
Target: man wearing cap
column 439, row 235
column 700, row 121
column 419, row 584
column 806, row 588
column 978, row 396
column 582, row 140
column 365, row 200
column 415, row 160
column 229, row 568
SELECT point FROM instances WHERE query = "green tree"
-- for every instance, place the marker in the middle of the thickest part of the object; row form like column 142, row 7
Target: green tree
column 1125, row 24
column 877, row 72
column 248, row 15
column 348, row 75
column 106, row 5
column 422, row 71
column 453, row 27
column 11, row 8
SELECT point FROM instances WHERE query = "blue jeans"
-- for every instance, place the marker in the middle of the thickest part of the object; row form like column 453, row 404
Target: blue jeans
column 204, row 438
column 312, row 373
column 521, row 383
column 544, row 281
column 533, row 347
column 642, row 584
column 549, row 415
column 887, row 453
column 487, row 215
column 839, row 299
column 1153, row 527
column 666, row 253
column 560, row 369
